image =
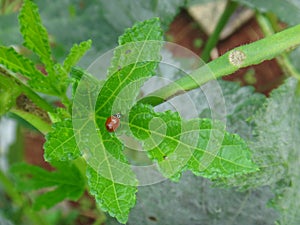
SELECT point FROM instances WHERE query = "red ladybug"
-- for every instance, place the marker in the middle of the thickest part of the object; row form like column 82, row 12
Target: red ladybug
column 113, row 122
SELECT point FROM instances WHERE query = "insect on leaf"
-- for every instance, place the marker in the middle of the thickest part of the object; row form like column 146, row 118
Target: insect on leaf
column 110, row 177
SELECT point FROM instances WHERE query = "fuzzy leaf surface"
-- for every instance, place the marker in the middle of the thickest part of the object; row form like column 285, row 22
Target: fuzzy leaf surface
column 198, row 199
column 19, row 64
column 112, row 197
column 60, row 143
column 200, row 145
column 34, row 33
column 278, row 130
column 286, row 10
column 110, row 177
column 36, row 39
column 76, row 52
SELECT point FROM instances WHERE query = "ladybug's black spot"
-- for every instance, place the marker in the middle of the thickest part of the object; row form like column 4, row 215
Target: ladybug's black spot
column 152, row 218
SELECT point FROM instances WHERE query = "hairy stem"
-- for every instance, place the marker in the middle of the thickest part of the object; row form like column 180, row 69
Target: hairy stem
column 243, row 56
column 35, row 118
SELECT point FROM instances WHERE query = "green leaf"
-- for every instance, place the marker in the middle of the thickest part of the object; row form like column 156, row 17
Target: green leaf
column 37, row 81
column 133, row 62
column 34, row 33
column 76, row 52
column 36, row 39
column 198, row 199
column 269, row 144
column 19, row 64
column 200, row 145
column 113, row 197
column 67, row 181
column 277, row 148
column 137, row 52
column 287, row 10
column 126, row 75
column 60, row 143
column 109, row 175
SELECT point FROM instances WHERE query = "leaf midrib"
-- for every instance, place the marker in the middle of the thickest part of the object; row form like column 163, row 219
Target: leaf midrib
column 128, row 75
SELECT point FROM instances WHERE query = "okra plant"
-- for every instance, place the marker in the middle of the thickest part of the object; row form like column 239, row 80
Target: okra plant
column 106, row 111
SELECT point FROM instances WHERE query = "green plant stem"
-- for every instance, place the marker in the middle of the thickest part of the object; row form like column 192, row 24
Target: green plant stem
column 19, row 200
column 283, row 59
column 34, row 97
column 35, row 120
column 254, row 53
column 214, row 38
column 265, row 24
